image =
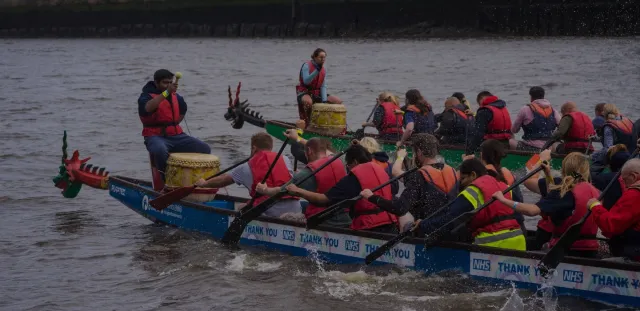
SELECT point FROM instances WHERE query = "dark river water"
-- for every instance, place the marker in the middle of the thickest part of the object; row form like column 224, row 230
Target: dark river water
column 92, row 253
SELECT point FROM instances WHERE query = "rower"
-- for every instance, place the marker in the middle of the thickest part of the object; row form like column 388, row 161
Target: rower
column 465, row 102
column 161, row 109
column 453, row 123
column 492, row 122
column 495, row 225
column 380, row 158
column 424, row 193
column 387, row 118
column 418, row 117
column 538, row 120
column 617, row 129
column 564, row 200
column 598, row 120
column 575, row 129
column 621, row 224
column 251, row 173
column 312, row 87
column 317, row 152
column 363, row 174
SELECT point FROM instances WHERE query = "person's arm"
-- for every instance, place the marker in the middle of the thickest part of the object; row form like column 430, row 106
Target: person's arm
column 347, row 188
column 378, row 116
column 483, row 117
column 397, row 170
column 398, row 206
column 313, row 197
column 616, row 221
column 308, row 185
column 216, row 182
column 143, row 99
column 323, row 90
column 517, row 124
column 182, row 106
column 563, row 129
column 306, row 76
column 407, row 133
column 522, row 208
column 297, row 150
column 608, row 138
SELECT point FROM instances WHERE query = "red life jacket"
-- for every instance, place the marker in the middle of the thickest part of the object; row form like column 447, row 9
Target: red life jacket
column 580, row 131
column 325, row 180
column 446, row 180
column 623, row 132
column 505, row 172
column 495, row 217
column 259, row 165
column 391, row 122
column 500, row 125
column 314, row 87
column 367, row 215
column 163, row 121
column 582, row 192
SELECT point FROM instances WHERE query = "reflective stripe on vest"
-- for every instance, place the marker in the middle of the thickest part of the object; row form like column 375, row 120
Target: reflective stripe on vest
column 498, row 236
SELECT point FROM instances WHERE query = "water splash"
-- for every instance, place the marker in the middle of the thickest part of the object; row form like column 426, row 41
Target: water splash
column 515, row 302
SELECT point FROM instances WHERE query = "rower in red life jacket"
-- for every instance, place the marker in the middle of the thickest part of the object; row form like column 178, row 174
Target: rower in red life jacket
column 252, row 173
column 312, row 87
column 617, row 129
column 418, row 116
column 491, row 122
column 317, row 153
column 387, row 118
column 495, row 225
column 454, row 122
column 161, row 110
column 621, row 224
column 380, row 158
column 424, row 193
column 538, row 120
column 363, row 174
column 565, row 203
column 575, row 129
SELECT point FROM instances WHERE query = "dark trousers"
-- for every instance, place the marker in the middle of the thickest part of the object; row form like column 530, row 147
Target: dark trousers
column 160, row 146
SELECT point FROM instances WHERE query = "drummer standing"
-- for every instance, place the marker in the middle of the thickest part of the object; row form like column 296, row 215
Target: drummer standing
column 161, row 110
column 311, row 87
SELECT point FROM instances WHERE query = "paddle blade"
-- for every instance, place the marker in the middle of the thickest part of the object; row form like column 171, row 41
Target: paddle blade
column 359, row 134
column 552, row 259
column 533, row 162
column 386, row 247
column 165, row 200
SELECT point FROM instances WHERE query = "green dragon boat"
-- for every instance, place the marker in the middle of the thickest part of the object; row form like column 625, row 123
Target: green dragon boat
column 240, row 113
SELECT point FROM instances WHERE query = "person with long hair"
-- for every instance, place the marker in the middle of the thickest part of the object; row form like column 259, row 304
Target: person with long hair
column 564, row 200
column 387, row 118
column 418, row 117
column 617, row 129
column 311, row 87
column 493, row 226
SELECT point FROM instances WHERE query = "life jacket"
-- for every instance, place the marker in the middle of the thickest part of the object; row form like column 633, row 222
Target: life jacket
column 508, row 176
column 542, row 125
column 391, row 122
column 325, row 180
column 495, row 218
column 461, row 122
column 163, row 121
column 578, row 135
column 314, row 87
column 423, row 122
column 259, row 165
column 587, row 241
column 442, row 186
column 500, row 125
column 624, row 132
column 367, row 215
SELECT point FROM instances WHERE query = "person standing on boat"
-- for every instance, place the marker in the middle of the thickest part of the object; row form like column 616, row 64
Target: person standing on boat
column 312, row 85
column 387, row 118
column 454, row 122
column 252, row 173
column 492, row 122
column 363, row 174
column 418, row 117
column 621, row 223
column 161, row 109
column 317, row 151
column 538, row 120
column 423, row 193
column 575, row 130
column 382, row 159
column 495, row 225
column 564, row 200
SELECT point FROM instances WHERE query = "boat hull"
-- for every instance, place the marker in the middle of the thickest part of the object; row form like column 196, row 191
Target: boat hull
column 609, row 282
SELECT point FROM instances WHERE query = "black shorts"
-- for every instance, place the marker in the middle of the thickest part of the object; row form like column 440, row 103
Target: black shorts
column 314, row 99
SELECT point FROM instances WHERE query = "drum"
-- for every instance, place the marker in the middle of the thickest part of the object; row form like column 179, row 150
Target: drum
column 328, row 119
column 184, row 169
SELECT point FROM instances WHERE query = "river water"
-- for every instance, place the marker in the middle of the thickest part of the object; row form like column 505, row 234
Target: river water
column 92, row 253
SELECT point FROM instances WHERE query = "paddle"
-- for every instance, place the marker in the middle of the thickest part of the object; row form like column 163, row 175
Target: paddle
column 176, row 195
column 552, row 259
column 359, row 134
column 234, row 233
column 275, row 160
column 318, row 218
column 466, row 217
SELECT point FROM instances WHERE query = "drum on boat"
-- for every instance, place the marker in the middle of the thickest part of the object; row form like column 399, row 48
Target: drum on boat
column 328, row 119
column 184, row 169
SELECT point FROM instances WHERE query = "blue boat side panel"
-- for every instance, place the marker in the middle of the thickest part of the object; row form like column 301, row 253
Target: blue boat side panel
column 437, row 259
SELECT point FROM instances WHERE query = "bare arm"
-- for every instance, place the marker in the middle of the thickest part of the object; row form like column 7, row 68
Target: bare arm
column 220, row 181
column 522, row 208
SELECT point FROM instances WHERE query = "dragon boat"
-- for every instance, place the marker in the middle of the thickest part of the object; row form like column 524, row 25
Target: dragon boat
column 239, row 113
column 605, row 281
